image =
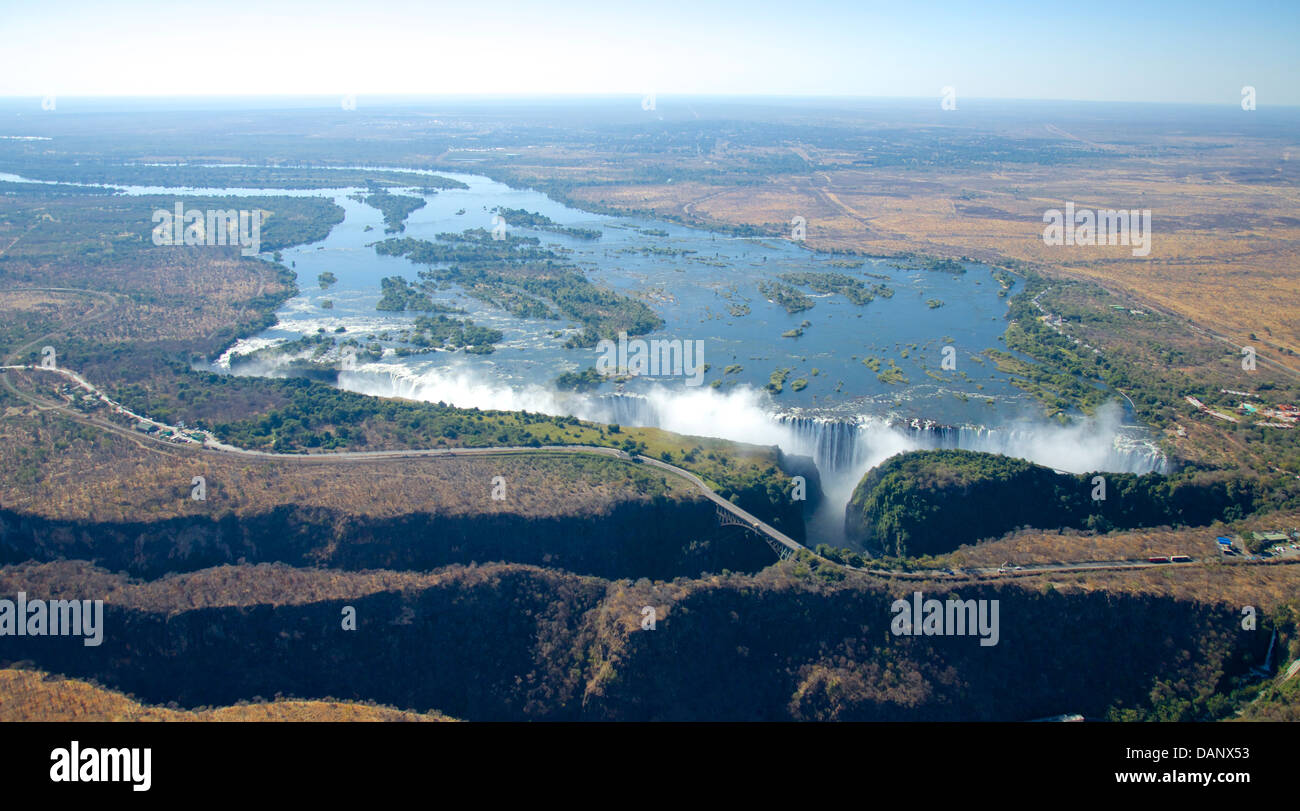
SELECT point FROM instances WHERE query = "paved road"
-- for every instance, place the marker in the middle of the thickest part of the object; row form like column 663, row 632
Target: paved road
column 752, row 520
column 213, row 446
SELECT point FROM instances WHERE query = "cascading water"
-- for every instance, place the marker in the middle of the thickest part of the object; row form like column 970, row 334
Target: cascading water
column 1101, row 443
column 844, row 449
column 844, row 445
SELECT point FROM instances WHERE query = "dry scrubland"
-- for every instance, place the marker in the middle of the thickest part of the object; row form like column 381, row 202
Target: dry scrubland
column 1045, row 546
column 1225, row 249
column 270, row 584
column 1224, row 255
column 811, row 639
column 159, row 294
column 1264, row 587
column 179, row 279
column 52, row 467
column 32, row 695
column 1157, row 360
column 1039, row 546
column 273, row 584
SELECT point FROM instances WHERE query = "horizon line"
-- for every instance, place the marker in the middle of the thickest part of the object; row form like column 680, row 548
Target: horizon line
column 519, row 96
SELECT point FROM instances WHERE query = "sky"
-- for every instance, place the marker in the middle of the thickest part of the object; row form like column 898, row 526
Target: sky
column 1182, row 52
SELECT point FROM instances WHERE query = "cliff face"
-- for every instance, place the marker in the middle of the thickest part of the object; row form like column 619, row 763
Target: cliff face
column 657, row 538
column 805, row 466
column 501, row 646
column 813, row 654
column 573, row 639
column 510, row 642
column 931, row 502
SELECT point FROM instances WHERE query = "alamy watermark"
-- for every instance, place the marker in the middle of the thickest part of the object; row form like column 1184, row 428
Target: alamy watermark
column 25, row 617
column 953, row 617
column 211, row 227
column 657, row 357
column 73, row 764
column 1085, row 226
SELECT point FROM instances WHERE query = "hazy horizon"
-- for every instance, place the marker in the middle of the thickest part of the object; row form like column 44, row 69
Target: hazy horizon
column 1162, row 52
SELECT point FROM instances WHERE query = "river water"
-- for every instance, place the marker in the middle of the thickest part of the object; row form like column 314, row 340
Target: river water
column 705, row 287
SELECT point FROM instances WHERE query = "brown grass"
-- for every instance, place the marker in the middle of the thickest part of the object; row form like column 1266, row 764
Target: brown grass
column 53, row 468
column 33, row 695
column 1226, row 240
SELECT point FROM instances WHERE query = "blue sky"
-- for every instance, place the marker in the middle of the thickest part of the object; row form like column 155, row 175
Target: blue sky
column 1197, row 52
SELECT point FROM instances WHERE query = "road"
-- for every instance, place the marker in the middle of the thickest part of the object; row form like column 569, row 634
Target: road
column 752, row 520
column 213, row 446
column 1192, row 326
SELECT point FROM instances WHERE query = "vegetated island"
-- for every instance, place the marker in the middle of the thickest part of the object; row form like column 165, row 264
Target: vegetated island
column 522, row 218
column 395, row 207
column 524, row 279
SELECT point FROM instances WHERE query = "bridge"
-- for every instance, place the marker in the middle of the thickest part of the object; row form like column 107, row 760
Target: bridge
column 727, row 518
column 729, row 514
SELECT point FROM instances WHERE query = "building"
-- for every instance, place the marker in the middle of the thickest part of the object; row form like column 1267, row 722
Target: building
column 1270, row 538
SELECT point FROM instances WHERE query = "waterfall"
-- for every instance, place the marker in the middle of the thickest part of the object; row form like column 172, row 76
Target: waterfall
column 844, row 448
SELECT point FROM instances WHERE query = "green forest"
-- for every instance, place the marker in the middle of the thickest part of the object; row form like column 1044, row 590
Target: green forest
column 931, row 502
column 395, row 207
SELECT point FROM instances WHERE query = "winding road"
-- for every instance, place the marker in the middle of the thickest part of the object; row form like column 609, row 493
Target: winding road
column 211, row 445
column 749, row 520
